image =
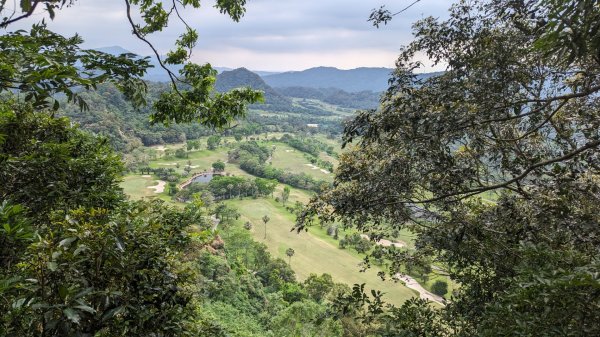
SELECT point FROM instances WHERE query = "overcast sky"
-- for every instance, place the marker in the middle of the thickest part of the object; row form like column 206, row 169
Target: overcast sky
column 274, row 35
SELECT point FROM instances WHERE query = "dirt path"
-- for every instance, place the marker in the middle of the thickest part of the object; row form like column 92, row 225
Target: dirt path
column 423, row 293
column 409, row 281
column 386, row 243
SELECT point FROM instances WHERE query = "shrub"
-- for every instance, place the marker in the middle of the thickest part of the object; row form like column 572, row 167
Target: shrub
column 439, row 288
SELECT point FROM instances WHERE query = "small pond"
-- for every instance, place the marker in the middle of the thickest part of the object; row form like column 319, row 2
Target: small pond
column 203, row 178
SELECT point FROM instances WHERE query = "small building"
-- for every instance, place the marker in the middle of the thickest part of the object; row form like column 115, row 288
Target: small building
column 312, row 125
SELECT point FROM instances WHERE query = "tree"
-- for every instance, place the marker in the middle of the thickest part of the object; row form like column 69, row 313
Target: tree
column 318, row 287
column 248, row 225
column 265, row 219
column 213, row 142
column 305, row 318
column 45, row 163
column 285, row 194
column 439, row 288
column 102, row 271
column 180, row 153
column 490, row 164
column 173, row 188
column 290, row 252
column 218, row 166
column 97, row 265
column 82, row 260
column 41, row 64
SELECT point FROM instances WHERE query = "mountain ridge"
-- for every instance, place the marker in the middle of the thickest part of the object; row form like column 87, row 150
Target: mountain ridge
column 352, row 80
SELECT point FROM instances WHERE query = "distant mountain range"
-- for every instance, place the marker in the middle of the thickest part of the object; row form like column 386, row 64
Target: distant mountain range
column 243, row 77
column 353, row 80
column 157, row 73
column 354, row 88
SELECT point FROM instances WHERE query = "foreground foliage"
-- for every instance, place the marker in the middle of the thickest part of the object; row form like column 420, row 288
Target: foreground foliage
column 493, row 164
column 76, row 259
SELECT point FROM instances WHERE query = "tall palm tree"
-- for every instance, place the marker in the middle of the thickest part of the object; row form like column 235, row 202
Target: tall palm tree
column 289, row 252
column 265, row 219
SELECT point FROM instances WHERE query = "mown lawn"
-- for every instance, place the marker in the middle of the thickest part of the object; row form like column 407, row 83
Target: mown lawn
column 292, row 160
column 313, row 253
column 136, row 186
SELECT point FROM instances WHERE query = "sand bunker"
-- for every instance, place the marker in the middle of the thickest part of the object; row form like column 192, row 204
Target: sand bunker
column 386, row 243
column 160, row 187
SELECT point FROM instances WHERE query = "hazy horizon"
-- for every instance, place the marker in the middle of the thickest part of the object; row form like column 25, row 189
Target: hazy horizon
column 273, row 35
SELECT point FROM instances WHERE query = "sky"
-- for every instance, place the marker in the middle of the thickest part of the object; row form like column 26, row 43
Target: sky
column 274, row 35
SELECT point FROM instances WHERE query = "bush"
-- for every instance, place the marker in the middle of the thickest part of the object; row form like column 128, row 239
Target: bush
column 439, row 288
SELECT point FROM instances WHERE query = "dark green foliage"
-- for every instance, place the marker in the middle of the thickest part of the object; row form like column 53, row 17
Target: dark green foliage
column 41, row 65
column 252, row 157
column 226, row 187
column 102, row 271
column 70, row 268
column 127, row 128
column 180, row 153
column 318, row 287
column 45, row 163
column 338, row 97
column 439, row 288
column 308, row 145
column 218, row 166
column 213, row 142
column 493, row 165
column 248, row 293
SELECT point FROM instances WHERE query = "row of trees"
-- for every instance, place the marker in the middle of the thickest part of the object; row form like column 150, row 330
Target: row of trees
column 228, row 187
column 308, row 145
column 252, row 157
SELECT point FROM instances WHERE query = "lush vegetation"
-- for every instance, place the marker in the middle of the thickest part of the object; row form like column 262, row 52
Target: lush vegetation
column 252, row 159
column 224, row 187
column 492, row 166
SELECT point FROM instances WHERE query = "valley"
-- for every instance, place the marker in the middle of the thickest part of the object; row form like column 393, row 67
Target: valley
column 316, row 252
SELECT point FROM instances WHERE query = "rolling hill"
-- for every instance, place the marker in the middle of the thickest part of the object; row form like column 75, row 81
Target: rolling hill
column 353, row 80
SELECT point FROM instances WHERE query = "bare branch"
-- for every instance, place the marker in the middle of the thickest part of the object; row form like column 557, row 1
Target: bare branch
column 25, row 15
column 472, row 192
column 135, row 31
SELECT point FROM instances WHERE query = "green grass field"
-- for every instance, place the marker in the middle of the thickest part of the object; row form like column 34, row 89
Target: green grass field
column 136, row 186
column 314, row 253
column 291, row 160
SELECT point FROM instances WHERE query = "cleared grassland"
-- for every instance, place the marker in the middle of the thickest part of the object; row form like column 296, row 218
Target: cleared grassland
column 314, row 253
column 292, row 160
column 136, row 186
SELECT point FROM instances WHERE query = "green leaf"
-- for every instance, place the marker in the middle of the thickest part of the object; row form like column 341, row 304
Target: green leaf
column 52, row 265
column 72, row 315
column 85, row 308
column 113, row 312
column 66, row 242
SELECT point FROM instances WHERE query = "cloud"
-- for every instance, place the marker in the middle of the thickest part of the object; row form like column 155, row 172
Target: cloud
column 273, row 35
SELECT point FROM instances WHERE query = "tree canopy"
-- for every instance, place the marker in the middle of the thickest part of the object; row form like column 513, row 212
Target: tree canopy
column 493, row 164
column 40, row 63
